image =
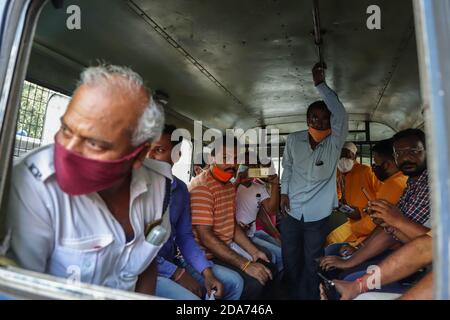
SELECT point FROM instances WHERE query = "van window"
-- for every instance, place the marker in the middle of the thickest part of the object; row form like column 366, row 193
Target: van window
column 40, row 109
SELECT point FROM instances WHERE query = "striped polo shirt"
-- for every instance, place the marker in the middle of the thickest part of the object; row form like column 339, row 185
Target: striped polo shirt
column 213, row 204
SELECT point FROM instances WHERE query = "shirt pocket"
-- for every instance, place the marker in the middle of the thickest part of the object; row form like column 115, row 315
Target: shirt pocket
column 141, row 255
column 322, row 172
column 78, row 259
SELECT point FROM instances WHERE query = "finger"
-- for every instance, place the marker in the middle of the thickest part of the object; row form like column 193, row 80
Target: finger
column 265, row 275
column 329, row 264
column 260, row 279
column 377, row 215
column 323, row 262
column 377, row 209
column 330, row 267
column 219, row 290
column 268, row 272
column 384, row 202
column 325, row 259
column 380, row 205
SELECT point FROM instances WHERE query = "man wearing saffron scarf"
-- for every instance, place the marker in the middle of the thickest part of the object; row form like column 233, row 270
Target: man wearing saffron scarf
column 79, row 208
column 308, row 188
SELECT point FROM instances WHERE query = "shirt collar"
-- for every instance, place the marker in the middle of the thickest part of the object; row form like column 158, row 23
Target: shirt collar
column 140, row 182
column 304, row 136
column 423, row 178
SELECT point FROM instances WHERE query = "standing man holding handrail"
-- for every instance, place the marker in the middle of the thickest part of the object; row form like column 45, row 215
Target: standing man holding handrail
column 308, row 188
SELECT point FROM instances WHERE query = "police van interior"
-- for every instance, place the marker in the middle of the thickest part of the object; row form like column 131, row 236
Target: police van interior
column 230, row 64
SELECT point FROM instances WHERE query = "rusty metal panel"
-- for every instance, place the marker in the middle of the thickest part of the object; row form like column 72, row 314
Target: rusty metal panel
column 246, row 63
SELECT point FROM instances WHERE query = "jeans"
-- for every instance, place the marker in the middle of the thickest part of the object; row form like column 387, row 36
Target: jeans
column 253, row 290
column 302, row 244
column 167, row 288
column 231, row 280
column 333, row 249
column 265, row 236
column 264, row 240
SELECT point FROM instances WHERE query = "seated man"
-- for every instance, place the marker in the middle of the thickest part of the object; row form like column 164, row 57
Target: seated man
column 394, row 183
column 266, row 221
column 252, row 201
column 182, row 278
column 352, row 177
column 213, row 200
column 78, row 208
column 402, row 222
column 405, row 261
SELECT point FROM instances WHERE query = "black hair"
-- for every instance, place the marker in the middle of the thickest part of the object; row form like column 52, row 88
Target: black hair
column 169, row 129
column 316, row 105
column 419, row 134
column 384, row 148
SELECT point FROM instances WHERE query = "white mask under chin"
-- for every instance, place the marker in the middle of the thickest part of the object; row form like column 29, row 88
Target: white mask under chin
column 345, row 165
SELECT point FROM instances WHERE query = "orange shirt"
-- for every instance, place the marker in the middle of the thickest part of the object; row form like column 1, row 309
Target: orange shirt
column 360, row 176
column 393, row 187
column 213, row 204
column 391, row 190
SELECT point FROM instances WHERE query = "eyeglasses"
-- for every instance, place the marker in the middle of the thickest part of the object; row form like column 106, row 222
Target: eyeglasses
column 408, row 152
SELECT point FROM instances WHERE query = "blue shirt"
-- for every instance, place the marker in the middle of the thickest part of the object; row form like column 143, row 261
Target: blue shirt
column 181, row 235
column 309, row 176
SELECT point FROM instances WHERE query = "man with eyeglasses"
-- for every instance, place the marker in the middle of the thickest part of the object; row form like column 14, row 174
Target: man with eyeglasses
column 399, row 223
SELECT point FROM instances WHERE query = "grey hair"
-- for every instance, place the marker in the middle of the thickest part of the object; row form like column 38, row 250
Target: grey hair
column 151, row 122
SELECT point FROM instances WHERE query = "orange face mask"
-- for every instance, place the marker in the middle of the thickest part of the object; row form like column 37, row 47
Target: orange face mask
column 319, row 135
column 221, row 175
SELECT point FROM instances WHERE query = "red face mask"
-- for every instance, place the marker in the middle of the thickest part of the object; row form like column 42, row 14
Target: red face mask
column 77, row 175
column 221, row 175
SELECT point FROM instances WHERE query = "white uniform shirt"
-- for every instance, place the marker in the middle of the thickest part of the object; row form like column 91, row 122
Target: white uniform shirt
column 77, row 237
column 247, row 205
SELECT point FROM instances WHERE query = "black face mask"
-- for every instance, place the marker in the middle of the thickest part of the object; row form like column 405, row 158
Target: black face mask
column 379, row 172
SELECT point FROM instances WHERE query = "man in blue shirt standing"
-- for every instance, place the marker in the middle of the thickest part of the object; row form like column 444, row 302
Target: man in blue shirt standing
column 308, row 188
column 186, row 276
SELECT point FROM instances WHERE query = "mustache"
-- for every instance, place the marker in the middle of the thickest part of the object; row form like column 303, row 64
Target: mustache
column 407, row 164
